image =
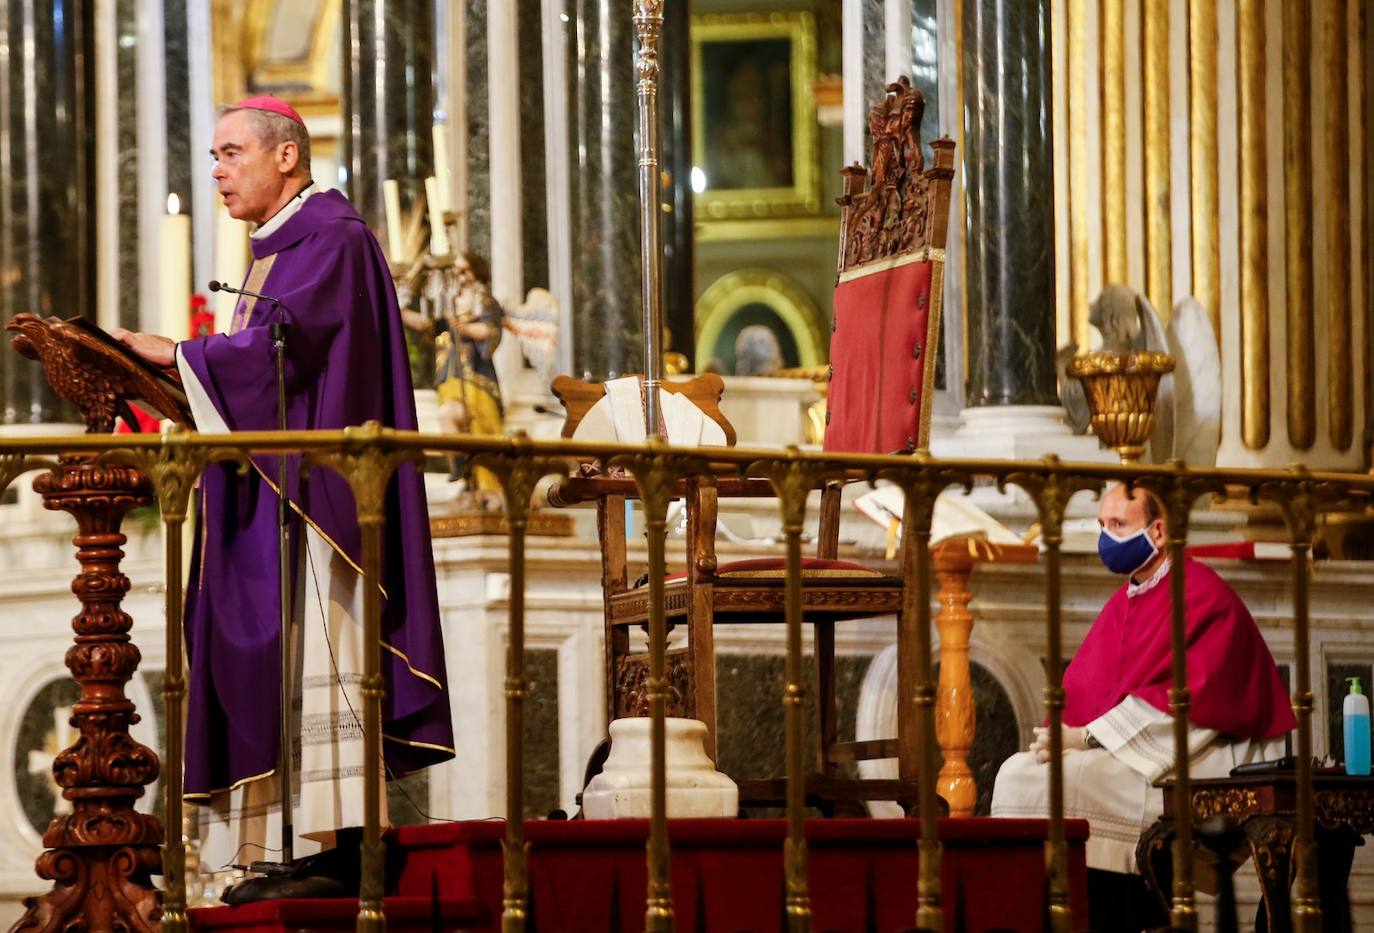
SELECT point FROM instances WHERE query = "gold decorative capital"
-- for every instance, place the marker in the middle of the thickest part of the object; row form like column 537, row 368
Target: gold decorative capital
column 1121, row 390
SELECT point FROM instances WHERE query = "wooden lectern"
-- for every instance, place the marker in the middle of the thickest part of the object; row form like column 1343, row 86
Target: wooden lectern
column 101, row 856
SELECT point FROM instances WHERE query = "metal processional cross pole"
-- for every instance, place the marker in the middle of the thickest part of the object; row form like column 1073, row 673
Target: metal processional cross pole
column 648, row 25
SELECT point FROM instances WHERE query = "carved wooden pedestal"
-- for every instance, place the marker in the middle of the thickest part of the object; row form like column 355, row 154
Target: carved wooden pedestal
column 954, row 709
column 102, row 855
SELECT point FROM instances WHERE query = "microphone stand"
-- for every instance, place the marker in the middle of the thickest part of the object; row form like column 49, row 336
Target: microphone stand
column 278, row 879
column 277, row 332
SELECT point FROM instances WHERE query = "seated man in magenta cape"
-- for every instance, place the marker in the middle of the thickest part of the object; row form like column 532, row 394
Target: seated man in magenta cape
column 345, row 365
column 1118, row 733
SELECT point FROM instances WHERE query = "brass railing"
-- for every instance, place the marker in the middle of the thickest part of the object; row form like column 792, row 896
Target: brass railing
column 368, row 456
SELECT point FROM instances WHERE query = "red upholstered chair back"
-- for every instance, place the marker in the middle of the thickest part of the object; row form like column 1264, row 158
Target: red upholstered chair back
column 891, row 276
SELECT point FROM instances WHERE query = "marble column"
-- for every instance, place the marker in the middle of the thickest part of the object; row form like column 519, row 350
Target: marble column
column 607, row 327
column 476, row 221
column 46, row 162
column 1009, row 164
column 675, row 109
column 534, row 214
column 388, row 99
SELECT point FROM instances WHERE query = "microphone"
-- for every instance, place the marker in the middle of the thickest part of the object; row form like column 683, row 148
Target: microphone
column 217, row 286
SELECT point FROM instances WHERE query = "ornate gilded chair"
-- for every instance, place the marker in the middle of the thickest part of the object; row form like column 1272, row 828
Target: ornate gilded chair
column 887, row 325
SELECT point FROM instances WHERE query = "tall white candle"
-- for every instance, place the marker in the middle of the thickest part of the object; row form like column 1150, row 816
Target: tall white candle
column 438, row 233
column 231, row 263
column 175, row 244
column 391, row 195
column 441, row 167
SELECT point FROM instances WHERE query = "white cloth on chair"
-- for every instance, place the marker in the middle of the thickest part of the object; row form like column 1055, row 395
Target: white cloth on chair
column 619, row 416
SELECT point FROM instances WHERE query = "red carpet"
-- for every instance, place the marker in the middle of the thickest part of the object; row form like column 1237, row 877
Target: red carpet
column 727, row 875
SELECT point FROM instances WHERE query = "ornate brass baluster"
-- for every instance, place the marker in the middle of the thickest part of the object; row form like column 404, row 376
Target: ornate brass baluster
column 1300, row 500
column 1051, row 491
column 657, row 474
column 367, row 462
column 1178, row 491
column 519, row 472
column 173, row 469
column 921, row 486
column 793, row 479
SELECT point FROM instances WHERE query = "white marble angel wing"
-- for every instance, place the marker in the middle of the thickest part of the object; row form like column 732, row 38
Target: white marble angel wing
column 1153, row 338
column 534, row 322
column 1197, row 384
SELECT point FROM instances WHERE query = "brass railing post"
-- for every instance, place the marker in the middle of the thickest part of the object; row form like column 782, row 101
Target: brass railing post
column 367, row 460
column 1051, row 492
column 1299, row 500
column 792, row 481
column 1177, row 491
column 657, row 474
column 519, row 473
column 173, row 470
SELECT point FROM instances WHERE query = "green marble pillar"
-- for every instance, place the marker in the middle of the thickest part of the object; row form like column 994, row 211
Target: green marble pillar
column 1009, row 200
column 47, row 231
column 607, row 324
column 388, row 97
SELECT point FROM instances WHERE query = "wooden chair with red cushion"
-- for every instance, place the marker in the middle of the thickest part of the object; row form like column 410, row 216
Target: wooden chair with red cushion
column 887, row 308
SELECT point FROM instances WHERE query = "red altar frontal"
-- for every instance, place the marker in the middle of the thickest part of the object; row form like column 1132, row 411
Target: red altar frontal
column 726, row 875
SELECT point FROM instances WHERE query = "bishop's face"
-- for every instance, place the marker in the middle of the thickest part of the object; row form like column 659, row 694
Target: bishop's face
column 251, row 177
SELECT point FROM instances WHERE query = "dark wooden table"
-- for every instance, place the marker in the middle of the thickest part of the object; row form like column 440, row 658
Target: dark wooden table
column 1265, row 807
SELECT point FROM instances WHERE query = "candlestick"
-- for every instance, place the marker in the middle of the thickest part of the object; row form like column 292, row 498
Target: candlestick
column 175, row 242
column 438, row 233
column 391, row 195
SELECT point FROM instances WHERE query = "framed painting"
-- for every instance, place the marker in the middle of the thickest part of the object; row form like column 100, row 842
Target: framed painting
column 753, row 119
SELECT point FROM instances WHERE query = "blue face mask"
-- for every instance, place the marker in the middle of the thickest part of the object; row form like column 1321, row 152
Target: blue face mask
column 1126, row 555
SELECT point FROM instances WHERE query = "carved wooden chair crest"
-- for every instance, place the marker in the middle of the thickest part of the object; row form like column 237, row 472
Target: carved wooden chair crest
column 891, row 275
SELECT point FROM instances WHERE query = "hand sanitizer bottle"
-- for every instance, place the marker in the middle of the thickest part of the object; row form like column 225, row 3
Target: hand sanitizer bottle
column 1355, row 714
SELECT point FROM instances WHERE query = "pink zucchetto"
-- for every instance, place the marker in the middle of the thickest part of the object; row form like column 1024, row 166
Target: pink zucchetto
column 270, row 104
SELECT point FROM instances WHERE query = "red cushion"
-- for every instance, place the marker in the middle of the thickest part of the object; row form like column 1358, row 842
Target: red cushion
column 883, row 341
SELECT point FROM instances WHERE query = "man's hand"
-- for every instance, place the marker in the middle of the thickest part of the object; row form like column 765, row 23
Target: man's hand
column 158, row 350
column 1072, row 738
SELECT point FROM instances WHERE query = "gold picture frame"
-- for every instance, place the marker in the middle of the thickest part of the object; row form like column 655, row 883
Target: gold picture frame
column 754, row 150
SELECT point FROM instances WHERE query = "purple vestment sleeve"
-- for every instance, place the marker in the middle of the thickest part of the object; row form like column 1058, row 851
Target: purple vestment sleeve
column 346, row 365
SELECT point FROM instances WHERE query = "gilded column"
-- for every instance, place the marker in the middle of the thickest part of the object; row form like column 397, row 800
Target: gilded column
column 1085, row 224
column 1010, row 203
column 1158, row 232
column 1254, row 226
column 388, row 98
column 1336, row 141
column 1202, row 155
column 1112, row 76
column 47, row 228
column 1297, row 207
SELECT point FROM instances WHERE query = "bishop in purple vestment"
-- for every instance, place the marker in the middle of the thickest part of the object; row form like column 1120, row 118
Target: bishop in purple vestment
column 346, row 364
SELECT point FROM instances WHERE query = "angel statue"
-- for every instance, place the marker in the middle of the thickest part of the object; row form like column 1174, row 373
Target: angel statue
column 1188, row 406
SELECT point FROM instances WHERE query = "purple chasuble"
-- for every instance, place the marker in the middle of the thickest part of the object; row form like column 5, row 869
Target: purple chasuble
column 346, row 364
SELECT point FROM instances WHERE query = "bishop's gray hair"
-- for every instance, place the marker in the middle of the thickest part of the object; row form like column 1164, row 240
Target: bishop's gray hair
column 273, row 129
